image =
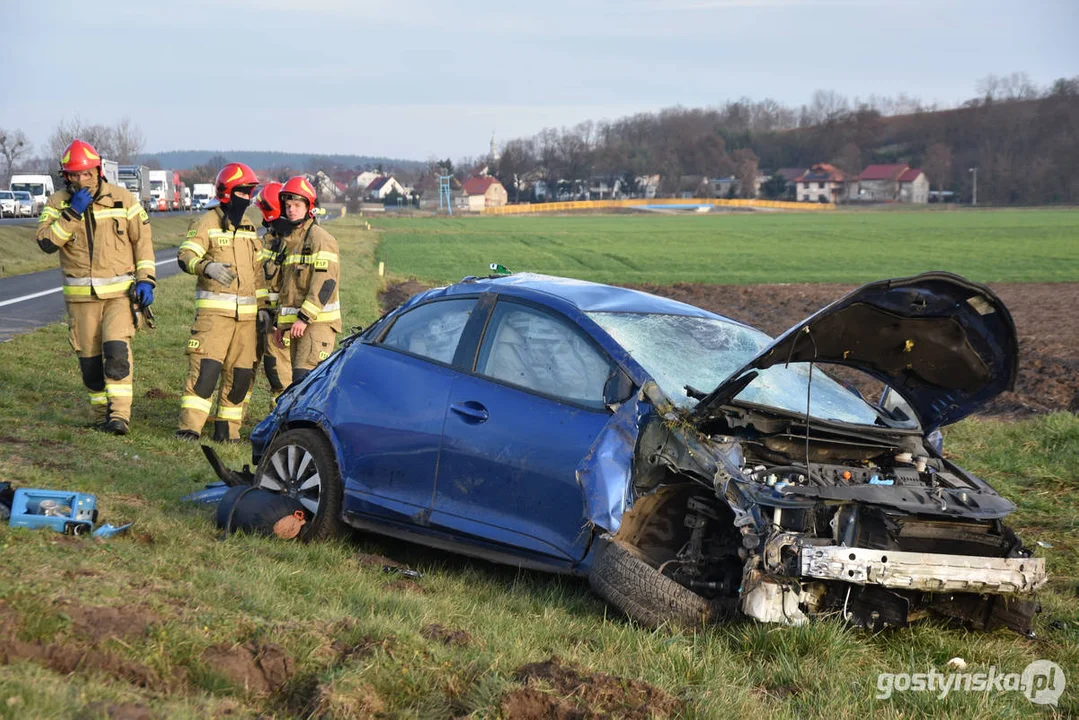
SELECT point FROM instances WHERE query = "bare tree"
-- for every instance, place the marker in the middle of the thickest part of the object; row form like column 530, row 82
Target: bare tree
column 14, row 146
column 849, row 160
column 938, row 165
column 745, row 164
column 128, row 141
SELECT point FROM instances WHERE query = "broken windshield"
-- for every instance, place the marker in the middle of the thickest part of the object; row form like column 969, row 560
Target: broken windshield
column 679, row 350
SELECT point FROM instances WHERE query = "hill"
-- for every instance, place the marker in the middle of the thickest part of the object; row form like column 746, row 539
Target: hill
column 261, row 159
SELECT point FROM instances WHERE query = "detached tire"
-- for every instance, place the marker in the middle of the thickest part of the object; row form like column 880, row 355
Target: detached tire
column 642, row 592
column 301, row 464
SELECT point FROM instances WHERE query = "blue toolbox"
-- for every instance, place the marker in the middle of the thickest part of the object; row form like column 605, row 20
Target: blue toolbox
column 71, row 513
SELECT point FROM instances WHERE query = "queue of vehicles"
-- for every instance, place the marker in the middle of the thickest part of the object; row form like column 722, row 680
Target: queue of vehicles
column 156, row 190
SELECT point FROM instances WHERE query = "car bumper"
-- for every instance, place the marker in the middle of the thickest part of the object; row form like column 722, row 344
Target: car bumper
column 928, row 572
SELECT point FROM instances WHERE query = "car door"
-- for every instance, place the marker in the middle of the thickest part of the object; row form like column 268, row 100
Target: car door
column 516, row 430
column 392, row 402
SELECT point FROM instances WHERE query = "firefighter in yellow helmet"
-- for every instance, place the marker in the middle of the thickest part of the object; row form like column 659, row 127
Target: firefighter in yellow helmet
column 223, row 251
column 276, row 361
column 309, row 309
column 107, row 259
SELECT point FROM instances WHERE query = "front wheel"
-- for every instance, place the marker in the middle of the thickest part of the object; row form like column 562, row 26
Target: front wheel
column 622, row 577
column 301, row 464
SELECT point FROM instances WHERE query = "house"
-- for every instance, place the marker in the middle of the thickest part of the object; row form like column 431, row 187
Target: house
column 364, row 179
column 604, row 187
column 821, row 183
column 896, row 182
column 480, row 192
column 913, row 187
column 382, row 186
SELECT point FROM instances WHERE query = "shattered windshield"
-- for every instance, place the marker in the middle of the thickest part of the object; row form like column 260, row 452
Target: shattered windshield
column 678, row 350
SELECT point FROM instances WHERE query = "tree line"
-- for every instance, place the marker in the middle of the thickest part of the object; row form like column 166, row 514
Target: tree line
column 1023, row 139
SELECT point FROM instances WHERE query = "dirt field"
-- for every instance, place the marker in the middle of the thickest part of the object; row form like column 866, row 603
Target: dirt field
column 1046, row 316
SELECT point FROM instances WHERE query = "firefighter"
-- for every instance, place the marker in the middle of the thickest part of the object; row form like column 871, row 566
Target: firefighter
column 223, row 251
column 103, row 236
column 309, row 311
column 276, row 362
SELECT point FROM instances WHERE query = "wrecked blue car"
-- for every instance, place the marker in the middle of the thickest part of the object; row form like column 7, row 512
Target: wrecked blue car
column 690, row 466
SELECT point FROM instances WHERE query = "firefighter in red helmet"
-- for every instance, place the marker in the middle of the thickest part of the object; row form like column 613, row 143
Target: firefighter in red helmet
column 309, row 311
column 276, row 362
column 107, row 258
column 222, row 249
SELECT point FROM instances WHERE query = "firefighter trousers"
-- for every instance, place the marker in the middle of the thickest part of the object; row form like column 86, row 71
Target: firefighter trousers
column 100, row 333
column 276, row 363
column 314, row 346
column 220, row 348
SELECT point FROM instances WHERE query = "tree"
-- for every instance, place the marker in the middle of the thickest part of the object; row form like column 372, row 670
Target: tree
column 938, row 165
column 775, row 187
column 746, row 171
column 849, row 160
column 14, row 146
column 128, row 141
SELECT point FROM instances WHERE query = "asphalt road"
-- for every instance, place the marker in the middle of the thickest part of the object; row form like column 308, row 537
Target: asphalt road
column 18, row 221
column 34, row 300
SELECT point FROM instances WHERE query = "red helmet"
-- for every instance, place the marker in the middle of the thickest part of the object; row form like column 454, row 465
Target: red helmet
column 232, row 176
column 80, row 156
column 300, row 187
column 268, row 200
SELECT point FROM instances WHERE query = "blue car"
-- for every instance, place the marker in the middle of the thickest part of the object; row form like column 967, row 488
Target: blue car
column 689, row 465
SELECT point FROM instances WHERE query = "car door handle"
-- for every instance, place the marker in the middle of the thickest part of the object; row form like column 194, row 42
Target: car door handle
column 471, row 410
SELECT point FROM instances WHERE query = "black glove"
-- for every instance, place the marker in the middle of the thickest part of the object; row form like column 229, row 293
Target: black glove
column 265, row 322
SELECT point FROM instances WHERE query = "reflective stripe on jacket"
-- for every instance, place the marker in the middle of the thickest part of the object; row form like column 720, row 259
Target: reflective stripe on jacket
column 105, row 250
column 212, row 238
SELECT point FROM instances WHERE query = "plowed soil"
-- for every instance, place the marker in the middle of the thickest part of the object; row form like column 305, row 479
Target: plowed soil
column 1046, row 317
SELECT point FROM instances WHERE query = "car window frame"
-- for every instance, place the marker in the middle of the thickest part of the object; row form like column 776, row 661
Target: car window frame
column 380, row 336
column 558, row 316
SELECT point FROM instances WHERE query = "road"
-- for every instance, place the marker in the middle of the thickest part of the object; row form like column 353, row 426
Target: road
column 34, row 300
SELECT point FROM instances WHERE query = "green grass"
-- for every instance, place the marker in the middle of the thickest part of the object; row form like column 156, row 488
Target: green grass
column 738, row 248
column 319, row 601
column 20, row 254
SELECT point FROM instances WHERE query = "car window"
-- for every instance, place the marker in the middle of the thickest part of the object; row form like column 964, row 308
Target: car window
column 431, row 330
column 529, row 348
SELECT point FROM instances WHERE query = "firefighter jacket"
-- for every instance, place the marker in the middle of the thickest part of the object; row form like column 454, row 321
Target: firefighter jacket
column 103, row 251
column 273, row 253
column 212, row 238
column 310, row 278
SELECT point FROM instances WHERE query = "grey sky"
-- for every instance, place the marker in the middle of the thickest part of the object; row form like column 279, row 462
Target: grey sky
column 416, row 78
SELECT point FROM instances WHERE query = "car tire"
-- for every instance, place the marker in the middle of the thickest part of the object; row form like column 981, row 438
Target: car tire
column 301, row 463
column 626, row 580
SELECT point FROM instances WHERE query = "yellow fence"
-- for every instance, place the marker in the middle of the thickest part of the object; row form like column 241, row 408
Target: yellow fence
column 613, row 204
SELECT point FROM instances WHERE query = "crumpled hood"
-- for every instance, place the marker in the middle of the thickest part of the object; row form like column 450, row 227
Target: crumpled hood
column 945, row 344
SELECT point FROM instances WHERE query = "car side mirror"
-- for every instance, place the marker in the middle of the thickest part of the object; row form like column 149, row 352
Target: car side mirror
column 618, row 388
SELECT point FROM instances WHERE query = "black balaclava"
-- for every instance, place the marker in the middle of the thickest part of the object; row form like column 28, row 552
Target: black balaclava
column 237, row 206
column 282, row 226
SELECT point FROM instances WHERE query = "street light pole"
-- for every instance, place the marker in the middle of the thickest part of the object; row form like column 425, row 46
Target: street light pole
column 974, row 199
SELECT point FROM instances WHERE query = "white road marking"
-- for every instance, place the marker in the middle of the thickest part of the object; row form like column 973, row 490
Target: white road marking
column 42, row 293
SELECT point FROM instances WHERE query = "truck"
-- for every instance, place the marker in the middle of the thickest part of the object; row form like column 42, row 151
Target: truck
column 162, row 190
column 110, row 170
column 202, row 194
column 40, row 188
column 185, row 197
column 136, row 178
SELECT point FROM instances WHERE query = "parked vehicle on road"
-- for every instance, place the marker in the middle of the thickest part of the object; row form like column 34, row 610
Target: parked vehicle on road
column 136, row 178
column 201, row 194
column 40, row 188
column 163, row 192
column 26, row 203
column 690, row 466
column 9, row 204
column 110, row 170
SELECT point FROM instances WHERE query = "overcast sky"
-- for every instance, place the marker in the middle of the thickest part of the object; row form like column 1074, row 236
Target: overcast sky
column 420, row 78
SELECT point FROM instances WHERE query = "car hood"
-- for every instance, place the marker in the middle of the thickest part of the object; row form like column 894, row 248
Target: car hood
column 945, row 344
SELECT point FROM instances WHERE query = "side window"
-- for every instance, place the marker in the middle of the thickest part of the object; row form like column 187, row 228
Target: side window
column 431, row 330
column 543, row 353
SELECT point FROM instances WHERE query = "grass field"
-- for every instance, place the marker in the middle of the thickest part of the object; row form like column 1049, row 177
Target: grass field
column 20, row 254
column 736, row 248
column 335, row 636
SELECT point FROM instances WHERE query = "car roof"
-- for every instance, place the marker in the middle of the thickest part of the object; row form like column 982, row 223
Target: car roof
column 583, row 295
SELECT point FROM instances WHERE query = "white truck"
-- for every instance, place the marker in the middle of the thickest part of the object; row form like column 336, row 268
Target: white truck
column 162, row 190
column 110, row 170
column 136, row 178
column 40, row 188
column 201, row 195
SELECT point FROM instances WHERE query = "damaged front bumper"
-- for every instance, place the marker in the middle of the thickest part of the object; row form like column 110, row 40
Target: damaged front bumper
column 928, row 572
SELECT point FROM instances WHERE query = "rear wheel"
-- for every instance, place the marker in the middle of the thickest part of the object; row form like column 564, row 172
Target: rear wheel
column 301, row 464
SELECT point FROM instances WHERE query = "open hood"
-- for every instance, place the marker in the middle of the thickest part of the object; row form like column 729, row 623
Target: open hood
column 945, row 344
